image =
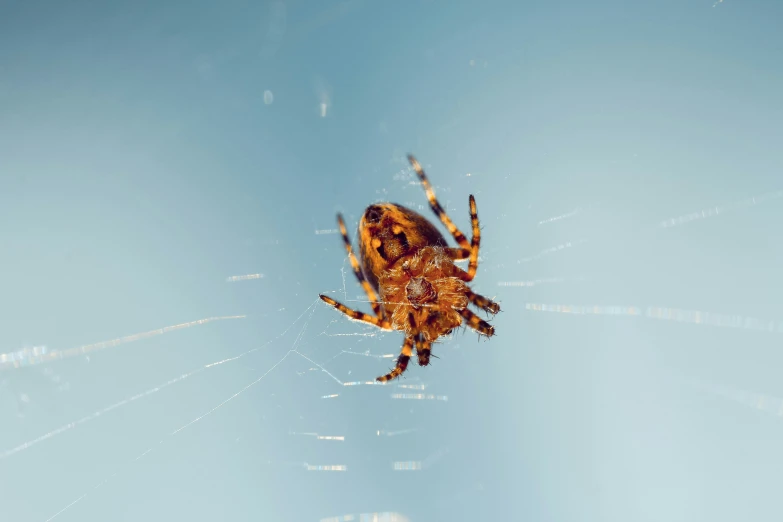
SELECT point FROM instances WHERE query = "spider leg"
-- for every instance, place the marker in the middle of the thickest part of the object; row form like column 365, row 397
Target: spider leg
column 402, row 361
column 368, row 289
column 477, row 323
column 423, row 352
column 356, row 315
column 486, row 304
column 457, row 254
column 459, row 237
column 475, row 240
column 467, row 249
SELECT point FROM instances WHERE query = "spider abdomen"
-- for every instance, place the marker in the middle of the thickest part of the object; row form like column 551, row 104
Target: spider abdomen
column 389, row 232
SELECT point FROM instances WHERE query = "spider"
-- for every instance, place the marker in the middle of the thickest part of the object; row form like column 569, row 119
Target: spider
column 408, row 273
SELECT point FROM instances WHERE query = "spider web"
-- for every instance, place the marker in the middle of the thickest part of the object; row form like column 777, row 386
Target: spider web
column 301, row 404
column 291, row 401
column 290, row 363
column 304, row 403
column 190, row 372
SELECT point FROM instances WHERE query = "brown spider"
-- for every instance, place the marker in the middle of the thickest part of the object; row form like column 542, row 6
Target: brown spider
column 408, row 262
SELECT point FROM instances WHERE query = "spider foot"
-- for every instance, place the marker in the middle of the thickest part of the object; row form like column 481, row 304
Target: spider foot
column 424, row 356
column 402, row 365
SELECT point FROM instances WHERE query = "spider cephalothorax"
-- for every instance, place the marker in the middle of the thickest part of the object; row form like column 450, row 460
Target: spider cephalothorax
column 422, row 292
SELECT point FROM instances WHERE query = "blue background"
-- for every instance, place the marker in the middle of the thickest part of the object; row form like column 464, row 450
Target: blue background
column 142, row 164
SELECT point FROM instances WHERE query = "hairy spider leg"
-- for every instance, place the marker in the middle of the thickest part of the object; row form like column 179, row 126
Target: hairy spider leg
column 475, row 241
column 459, row 237
column 486, row 304
column 368, row 289
column 402, row 361
column 356, row 315
column 457, row 254
column 467, row 249
column 423, row 352
column 477, row 323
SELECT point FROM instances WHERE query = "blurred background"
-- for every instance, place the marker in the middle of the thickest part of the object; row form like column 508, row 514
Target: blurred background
column 169, row 178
